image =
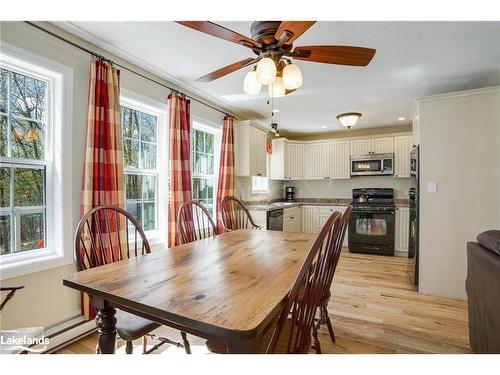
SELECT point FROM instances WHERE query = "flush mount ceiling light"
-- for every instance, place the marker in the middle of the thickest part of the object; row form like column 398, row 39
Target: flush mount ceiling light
column 401, row 118
column 273, row 44
column 349, row 119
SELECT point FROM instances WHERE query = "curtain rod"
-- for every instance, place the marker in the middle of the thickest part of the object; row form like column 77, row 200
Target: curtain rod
column 125, row 68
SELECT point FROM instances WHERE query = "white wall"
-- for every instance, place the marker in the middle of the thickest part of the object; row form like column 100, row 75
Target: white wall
column 460, row 151
column 45, row 301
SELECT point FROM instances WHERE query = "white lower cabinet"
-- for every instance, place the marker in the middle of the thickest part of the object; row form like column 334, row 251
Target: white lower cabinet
column 402, row 228
column 292, row 219
column 315, row 217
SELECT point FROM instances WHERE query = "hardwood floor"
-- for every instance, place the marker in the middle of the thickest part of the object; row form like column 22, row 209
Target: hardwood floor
column 374, row 309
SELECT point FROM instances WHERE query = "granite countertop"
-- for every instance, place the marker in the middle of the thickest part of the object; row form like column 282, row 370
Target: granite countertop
column 280, row 204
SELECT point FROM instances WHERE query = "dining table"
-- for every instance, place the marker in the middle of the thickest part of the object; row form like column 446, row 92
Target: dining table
column 228, row 289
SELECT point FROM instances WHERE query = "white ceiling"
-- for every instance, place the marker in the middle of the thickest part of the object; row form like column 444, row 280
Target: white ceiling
column 413, row 59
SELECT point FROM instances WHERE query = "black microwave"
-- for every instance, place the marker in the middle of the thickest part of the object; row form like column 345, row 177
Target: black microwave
column 372, row 164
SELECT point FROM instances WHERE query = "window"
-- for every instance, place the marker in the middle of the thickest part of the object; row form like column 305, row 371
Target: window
column 140, row 147
column 23, row 119
column 205, row 159
column 260, row 185
column 35, row 179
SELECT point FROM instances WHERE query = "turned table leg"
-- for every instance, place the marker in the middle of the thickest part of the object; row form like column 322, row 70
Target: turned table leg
column 106, row 327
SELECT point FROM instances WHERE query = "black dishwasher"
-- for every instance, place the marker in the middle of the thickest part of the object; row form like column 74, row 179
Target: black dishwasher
column 275, row 220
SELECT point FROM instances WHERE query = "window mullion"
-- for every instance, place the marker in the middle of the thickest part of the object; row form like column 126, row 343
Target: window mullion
column 12, row 218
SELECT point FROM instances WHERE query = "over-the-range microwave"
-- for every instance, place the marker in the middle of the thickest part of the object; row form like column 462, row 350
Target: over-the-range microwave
column 372, row 164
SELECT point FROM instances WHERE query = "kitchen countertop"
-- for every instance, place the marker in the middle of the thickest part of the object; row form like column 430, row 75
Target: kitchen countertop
column 277, row 205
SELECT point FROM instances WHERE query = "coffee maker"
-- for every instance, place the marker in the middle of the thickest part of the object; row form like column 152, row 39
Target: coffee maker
column 289, row 193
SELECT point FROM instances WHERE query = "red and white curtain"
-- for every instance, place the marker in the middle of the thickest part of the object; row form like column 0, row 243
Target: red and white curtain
column 102, row 181
column 179, row 182
column 226, row 169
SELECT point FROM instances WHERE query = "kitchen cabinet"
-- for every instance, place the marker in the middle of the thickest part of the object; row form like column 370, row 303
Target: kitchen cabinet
column 315, row 217
column 250, row 150
column 402, row 225
column 316, row 161
column 379, row 145
column 338, row 160
column 402, row 149
column 292, row 219
column 287, row 161
column 327, row 160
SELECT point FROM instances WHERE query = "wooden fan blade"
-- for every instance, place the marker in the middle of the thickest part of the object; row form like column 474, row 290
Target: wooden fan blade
column 288, row 31
column 289, row 91
column 226, row 70
column 340, row 55
column 219, row 31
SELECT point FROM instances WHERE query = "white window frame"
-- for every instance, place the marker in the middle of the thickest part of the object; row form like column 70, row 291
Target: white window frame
column 261, row 192
column 160, row 111
column 198, row 123
column 58, row 161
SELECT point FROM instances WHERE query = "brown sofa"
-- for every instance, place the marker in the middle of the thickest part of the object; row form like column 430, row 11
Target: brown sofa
column 483, row 292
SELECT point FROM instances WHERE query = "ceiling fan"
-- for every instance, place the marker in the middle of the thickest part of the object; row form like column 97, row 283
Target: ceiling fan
column 272, row 42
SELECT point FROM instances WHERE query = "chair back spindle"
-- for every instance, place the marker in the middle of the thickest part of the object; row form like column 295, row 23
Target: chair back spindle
column 235, row 215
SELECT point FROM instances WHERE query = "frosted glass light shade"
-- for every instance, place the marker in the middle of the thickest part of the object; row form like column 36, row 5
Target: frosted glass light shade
column 266, row 71
column 277, row 89
column 349, row 119
column 292, row 77
column 250, row 84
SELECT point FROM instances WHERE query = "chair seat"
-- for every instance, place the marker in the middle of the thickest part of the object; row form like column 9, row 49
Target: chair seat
column 132, row 327
column 281, row 345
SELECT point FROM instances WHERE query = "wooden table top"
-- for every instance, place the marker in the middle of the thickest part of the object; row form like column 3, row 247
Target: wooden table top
column 233, row 284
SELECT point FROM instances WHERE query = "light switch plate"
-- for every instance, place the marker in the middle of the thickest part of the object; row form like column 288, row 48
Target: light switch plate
column 431, row 187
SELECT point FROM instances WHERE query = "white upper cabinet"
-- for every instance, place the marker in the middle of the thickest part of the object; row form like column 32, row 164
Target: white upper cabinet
column 339, row 160
column 331, row 159
column 361, row 146
column 294, row 161
column 402, row 150
column 316, row 161
column 383, row 145
column 250, row 150
column 372, row 145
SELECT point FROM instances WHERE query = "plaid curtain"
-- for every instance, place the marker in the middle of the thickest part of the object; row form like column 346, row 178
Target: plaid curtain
column 102, row 181
column 226, row 171
column 179, row 182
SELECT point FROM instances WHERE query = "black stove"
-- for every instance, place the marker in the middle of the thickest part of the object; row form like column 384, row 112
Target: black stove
column 371, row 227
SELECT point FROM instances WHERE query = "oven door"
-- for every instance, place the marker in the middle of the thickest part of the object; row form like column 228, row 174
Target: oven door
column 372, row 232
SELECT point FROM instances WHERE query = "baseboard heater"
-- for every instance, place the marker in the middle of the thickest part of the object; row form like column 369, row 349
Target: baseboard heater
column 68, row 332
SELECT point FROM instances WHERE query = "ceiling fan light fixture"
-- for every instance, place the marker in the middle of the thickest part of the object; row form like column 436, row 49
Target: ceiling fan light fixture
column 292, row 77
column 277, row 89
column 266, row 71
column 349, row 119
column 250, row 84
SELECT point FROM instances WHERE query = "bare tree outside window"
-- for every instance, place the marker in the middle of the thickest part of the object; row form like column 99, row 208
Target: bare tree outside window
column 23, row 120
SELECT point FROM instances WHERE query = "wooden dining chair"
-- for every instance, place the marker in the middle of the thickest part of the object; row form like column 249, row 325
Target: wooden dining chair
column 108, row 234
column 324, row 317
column 293, row 331
column 235, row 215
column 194, row 223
